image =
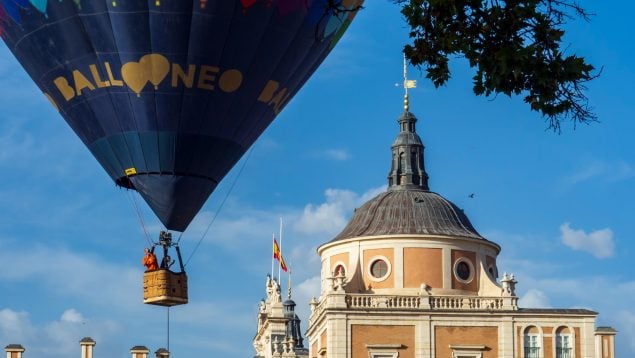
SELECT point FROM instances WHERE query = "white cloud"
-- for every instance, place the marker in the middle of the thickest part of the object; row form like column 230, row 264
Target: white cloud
column 309, row 288
column 15, row 326
column 534, row 298
column 302, row 296
column 57, row 338
column 626, row 320
column 331, row 216
column 338, row 154
column 327, row 217
column 235, row 229
column 332, row 154
column 622, row 171
column 608, row 171
column 599, row 243
column 592, row 170
column 72, row 316
column 68, row 273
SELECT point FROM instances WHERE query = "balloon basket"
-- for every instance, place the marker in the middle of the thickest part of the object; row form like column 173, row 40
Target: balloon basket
column 164, row 288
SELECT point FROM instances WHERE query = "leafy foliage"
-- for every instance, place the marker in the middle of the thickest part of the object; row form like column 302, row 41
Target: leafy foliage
column 514, row 45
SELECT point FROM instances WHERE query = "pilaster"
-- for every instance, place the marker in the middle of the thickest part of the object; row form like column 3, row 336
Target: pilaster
column 506, row 337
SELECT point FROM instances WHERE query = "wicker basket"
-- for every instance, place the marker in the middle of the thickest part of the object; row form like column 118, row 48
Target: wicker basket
column 164, row 288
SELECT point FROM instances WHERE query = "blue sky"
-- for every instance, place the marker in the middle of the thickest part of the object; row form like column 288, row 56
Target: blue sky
column 561, row 206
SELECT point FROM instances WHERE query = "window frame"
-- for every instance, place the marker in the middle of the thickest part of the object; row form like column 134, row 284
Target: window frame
column 384, row 350
column 467, row 351
column 335, row 267
column 469, row 264
column 527, row 337
column 558, row 343
column 372, row 261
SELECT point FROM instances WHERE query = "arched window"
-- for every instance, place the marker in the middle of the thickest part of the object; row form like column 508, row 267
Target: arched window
column 493, row 271
column 340, row 270
column 532, row 340
column 402, row 167
column 564, row 343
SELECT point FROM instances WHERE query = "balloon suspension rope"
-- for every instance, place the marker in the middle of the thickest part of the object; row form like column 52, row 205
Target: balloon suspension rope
column 168, row 344
column 220, row 206
column 133, row 200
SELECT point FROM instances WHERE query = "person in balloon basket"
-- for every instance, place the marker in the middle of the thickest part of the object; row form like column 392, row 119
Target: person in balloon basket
column 167, row 262
column 149, row 260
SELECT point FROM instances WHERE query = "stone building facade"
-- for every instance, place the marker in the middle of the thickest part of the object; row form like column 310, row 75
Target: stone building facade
column 409, row 276
column 278, row 334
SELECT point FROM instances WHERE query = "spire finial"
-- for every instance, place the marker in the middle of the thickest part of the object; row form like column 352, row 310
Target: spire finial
column 407, row 170
column 407, row 84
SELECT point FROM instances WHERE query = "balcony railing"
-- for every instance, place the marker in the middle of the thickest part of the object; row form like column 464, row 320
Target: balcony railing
column 532, row 352
column 362, row 301
column 415, row 302
column 466, row 303
column 381, row 301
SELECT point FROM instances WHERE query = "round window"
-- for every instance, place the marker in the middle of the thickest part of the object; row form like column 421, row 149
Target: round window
column 463, row 270
column 379, row 268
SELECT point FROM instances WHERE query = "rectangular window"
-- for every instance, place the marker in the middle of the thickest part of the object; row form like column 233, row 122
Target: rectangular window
column 532, row 346
column 563, row 346
column 384, row 355
column 467, row 351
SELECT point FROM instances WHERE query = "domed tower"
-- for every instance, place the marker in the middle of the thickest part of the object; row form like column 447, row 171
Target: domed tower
column 409, row 239
column 409, row 276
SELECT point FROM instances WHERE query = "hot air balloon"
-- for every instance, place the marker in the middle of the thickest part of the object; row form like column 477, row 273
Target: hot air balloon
column 169, row 94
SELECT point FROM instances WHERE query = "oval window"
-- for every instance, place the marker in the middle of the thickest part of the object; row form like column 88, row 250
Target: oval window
column 463, row 271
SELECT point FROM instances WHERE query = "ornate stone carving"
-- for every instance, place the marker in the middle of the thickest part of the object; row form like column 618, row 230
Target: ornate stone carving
column 508, row 283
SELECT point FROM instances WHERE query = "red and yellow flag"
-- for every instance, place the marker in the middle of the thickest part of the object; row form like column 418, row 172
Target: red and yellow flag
column 278, row 255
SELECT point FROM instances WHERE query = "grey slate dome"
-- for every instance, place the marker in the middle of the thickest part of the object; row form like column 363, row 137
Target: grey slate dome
column 408, row 207
column 416, row 212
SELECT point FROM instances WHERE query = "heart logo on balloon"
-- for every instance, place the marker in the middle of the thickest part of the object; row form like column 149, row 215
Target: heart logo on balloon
column 153, row 68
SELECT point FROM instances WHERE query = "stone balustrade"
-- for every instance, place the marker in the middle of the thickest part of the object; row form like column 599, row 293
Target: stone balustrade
column 467, row 303
column 420, row 302
column 381, row 301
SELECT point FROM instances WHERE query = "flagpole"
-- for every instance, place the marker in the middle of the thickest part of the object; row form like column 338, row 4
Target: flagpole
column 279, row 266
column 289, row 284
column 272, row 253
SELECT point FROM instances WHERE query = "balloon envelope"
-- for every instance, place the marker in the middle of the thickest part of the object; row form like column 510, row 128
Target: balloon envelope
column 169, row 94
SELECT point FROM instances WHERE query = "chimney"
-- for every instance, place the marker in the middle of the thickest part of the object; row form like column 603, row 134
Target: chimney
column 86, row 345
column 162, row 353
column 14, row 351
column 605, row 342
column 139, row 352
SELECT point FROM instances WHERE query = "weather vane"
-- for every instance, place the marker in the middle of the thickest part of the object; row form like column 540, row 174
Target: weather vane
column 407, row 84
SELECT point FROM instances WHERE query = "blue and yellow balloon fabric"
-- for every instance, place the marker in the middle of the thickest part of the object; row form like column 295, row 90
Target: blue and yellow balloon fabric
column 176, row 90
